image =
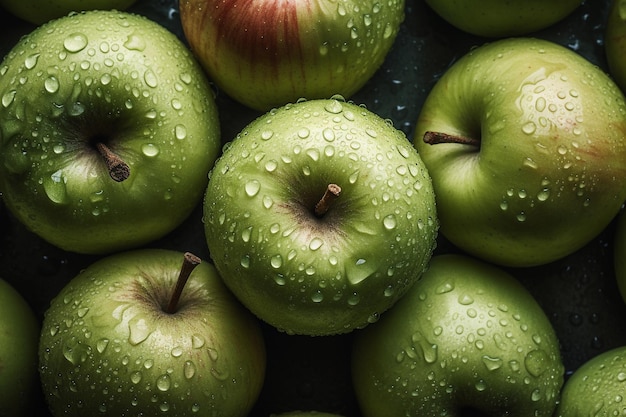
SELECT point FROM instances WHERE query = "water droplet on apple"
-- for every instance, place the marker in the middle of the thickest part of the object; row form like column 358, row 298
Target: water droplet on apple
column 334, row 106
column 150, row 78
column 390, row 222
column 521, row 217
column 543, row 195
column 76, row 42
column 135, row 43
column 535, row 362
column 481, row 385
column 317, row 297
column 31, row 61
column 529, row 128
column 359, row 270
column 189, row 369
column 267, row 134
column 55, row 187
column 139, row 331
column 219, row 375
column 150, row 150
column 535, row 395
column 101, row 345
column 328, row 135
column 180, row 132
column 8, row 98
column 252, row 188
column 164, row 382
column 276, row 261
column 177, row 352
column 354, row 299
column 51, row 84
column 492, row 363
column 135, row 377
column 316, row 243
column 271, row 165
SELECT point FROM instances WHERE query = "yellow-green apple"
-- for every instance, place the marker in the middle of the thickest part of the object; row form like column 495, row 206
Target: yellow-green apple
column 597, row 387
column 467, row 339
column 267, row 53
column 19, row 338
column 497, row 18
column 150, row 332
column 108, row 129
column 525, row 142
column 38, row 12
column 319, row 215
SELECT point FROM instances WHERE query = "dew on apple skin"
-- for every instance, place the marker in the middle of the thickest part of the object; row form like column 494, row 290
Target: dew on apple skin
column 252, row 188
column 75, row 42
column 31, row 61
column 8, row 98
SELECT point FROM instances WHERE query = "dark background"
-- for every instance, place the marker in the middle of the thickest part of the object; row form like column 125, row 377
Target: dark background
column 578, row 293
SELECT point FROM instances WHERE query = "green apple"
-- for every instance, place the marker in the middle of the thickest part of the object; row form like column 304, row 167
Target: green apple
column 39, row 12
column 619, row 254
column 19, row 337
column 275, row 52
column 524, row 140
column 615, row 42
column 467, row 337
column 105, row 117
column 498, row 18
column 597, row 388
column 319, row 215
column 136, row 333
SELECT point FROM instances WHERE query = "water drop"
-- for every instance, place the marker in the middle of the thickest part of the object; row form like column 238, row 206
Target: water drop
column 535, row 362
column 276, row 261
column 177, row 352
column 150, row 78
column 76, row 42
column 389, row 222
column 317, row 297
column 8, row 98
column 180, row 132
column 135, row 43
column 139, row 331
column 334, row 107
column 189, row 369
column 316, row 243
column 150, row 150
column 491, row 363
column 529, row 128
column 252, row 188
column 51, row 84
column 328, row 135
column 135, row 377
column 31, row 61
column 164, row 382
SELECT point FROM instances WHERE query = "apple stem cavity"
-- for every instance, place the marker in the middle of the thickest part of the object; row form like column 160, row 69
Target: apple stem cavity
column 434, row 138
column 118, row 169
column 190, row 261
column 330, row 195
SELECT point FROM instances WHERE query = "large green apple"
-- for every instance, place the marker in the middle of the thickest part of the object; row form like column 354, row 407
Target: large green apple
column 108, row 129
column 319, row 216
column 597, row 388
column 524, row 140
column 499, row 18
column 41, row 11
column 619, row 254
column 117, row 342
column 467, row 337
column 19, row 337
column 615, row 42
column 269, row 53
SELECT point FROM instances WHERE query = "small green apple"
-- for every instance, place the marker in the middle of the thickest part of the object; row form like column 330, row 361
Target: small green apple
column 467, row 337
column 524, row 140
column 619, row 254
column 19, row 337
column 597, row 388
column 270, row 53
column 319, row 215
column 615, row 42
column 498, row 18
column 137, row 334
column 105, row 117
column 41, row 11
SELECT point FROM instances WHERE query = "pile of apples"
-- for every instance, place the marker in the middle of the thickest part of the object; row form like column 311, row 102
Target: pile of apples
column 213, row 203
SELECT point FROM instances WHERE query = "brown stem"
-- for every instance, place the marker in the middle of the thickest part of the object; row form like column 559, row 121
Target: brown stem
column 434, row 138
column 330, row 195
column 190, row 261
column 118, row 169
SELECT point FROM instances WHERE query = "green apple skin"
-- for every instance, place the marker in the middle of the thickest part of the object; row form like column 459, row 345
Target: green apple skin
column 278, row 52
column 551, row 151
column 615, row 42
column 619, row 254
column 596, row 388
column 498, row 18
column 39, row 12
column 19, row 338
column 122, row 80
column 467, row 336
column 108, row 347
column 326, row 275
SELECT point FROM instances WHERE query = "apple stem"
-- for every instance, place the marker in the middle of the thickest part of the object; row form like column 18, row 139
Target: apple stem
column 434, row 138
column 330, row 195
column 118, row 169
column 190, row 261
